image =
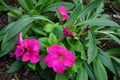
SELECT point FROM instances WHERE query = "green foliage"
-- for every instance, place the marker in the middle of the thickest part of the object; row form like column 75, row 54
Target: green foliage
column 15, row 66
column 91, row 28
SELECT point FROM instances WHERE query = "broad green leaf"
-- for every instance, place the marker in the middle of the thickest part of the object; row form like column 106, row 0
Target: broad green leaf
column 52, row 39
column 61, row 76
column 92, row 48
column 15, row 66
column 23, row 4
column 78, row 46
column 99, row 21
column 81, row 13
column 89, row 71
column 7, row 46
column 99, row 70
column 32, row 66
column 52, row 7
column 21, row 24
column 82, row 74
column 114, row 52
column 106, row 60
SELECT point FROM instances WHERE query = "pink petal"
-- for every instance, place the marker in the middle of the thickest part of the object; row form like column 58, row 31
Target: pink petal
column 35, row 58
column 19, row 51
column 26, row 56
column 20, row 40
column 59, row 67
column 50, row 60
column 69, row 59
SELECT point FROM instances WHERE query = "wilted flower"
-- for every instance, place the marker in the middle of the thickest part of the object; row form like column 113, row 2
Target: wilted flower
column 63, row 12
column 28, row 49
column 58, row 58
column 67, row 32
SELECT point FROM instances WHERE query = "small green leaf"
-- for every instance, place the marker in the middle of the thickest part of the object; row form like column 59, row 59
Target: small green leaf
column 32, row 66
column 114, row 52
column 23, row 3
column 116, row 59
column 42, row 63
column 99, row 70
column 61, row 76
column 52, row 39
column 82, row 74
column 78, row 46
column 15, row 66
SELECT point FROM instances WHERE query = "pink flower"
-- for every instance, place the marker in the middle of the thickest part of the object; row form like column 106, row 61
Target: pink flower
column 58, row 58
column 31, row 53
column 67, row 32
column 28, row 49
column 63, row 12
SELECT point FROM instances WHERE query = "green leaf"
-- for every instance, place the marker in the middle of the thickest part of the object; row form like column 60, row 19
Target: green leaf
column 43, row 41
column 81, row 13
column 52, row 7
column 78, row 46
column 89, row 71
column 82, row 74
column 99, row 21
column 110, row 35
column 61, row 76
column 23, row 4
column 42, row 63
column 58, row 31
column 106, row 60
column 32, row 66
column 15, row 66
column 21, row 24
column 99, row 70
column 52, row 39
column 116, row 59
column 114, row 52
column 92, row 48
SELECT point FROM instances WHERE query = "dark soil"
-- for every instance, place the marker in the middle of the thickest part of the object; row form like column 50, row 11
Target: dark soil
column 22, row 74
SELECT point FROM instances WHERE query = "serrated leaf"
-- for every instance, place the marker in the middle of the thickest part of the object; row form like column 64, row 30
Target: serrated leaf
column 99, row 21
column 15, row 66
column 106, row 60
column 99, row 70
column 92, row 48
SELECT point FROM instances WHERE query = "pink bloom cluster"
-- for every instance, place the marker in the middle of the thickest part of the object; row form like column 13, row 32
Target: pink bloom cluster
column 58, row 58
column 67, row 32
column 63, row 12
column 28, row 49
